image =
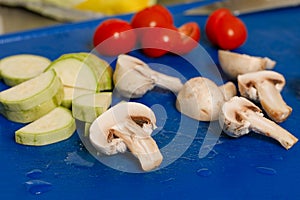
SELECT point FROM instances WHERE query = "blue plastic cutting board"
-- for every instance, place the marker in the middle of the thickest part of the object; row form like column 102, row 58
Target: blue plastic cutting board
column 251, row 167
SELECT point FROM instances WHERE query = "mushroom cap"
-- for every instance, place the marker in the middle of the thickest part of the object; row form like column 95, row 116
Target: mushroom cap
column 231, row 116
column 128, row 81
column 247, row 82
column 234, row 64
column 201, row 99
column 100, row 128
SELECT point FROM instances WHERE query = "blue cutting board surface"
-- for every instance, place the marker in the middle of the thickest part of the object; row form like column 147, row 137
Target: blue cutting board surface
column 251, row 167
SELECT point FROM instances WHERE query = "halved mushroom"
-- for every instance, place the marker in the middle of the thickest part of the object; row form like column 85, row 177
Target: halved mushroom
column 265, row 87
column 239, row 116
column 234, row 64
column 133, row 78
column 201, row 99
column 127, row 124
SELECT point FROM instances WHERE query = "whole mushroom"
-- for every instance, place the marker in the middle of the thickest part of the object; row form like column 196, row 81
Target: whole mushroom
column 201, row 99
column 234, row 64
column 239, row 116
column 265, row 86
column 133, row 78
column 127, row 124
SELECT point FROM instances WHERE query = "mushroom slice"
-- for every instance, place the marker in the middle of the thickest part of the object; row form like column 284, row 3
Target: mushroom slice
column 133, row 78
column 239, row 116
column 265, row 87
column 228, row 90
column 127, row 124
column 234, row 64
column 201, row 99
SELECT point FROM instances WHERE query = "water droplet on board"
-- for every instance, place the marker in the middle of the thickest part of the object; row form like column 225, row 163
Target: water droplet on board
column 34, row 174
column 212, row 154
column 204, row 172
column 74, row 159
column 168, row 180
column 266, row 170
column 276, row 157
column 38, row 186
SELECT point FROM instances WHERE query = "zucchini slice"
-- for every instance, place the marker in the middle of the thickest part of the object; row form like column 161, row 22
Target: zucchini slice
column 36, row 112
column 88, row 107
column 71, row 93
column 53, row 127
column 22, row 67
column 31, row 93
column 84, row 71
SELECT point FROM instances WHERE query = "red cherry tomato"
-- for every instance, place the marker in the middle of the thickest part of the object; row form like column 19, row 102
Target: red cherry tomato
column 113, row 37
column 164, row 11
column 190, row 36
column 156, row 41
column 232, row 33
column 211, row 26
column 153, row 16
column 225, row 30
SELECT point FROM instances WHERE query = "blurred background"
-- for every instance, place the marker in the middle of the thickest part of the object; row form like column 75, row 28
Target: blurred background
column 15, row 17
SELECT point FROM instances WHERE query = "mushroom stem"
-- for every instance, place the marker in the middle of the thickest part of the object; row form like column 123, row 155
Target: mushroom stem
column 140, row 143
column 264, row 126
column 133, row 78
column 228, row 90
column 240, row 116
column 265, row 86
column 271, row 101
column 171, row 83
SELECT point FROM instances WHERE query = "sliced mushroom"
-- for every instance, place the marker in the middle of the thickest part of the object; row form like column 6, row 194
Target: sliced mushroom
column 239, row 116
column 228, row 90
column 127, row 124
column 201, row 99
column 234, row 64
column 133, row 78
column 265, row 87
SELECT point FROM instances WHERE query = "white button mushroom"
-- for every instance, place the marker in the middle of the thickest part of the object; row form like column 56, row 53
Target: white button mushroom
column 133, row 78
column 265, row 86
column 239, row 116
column 127, row 124
column 201, row 99
column 234, row 64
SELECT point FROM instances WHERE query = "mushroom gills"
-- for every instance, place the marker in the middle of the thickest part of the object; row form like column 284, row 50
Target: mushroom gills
column 239, row 116
column 139, row 142
column 127, row 124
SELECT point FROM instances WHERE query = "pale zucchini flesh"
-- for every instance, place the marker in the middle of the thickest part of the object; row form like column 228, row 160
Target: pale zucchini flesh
column 88, row 107
column 36, row 112
column 53, row 127
column 71, row 93
column 19, row 68
column 83, row 70
column 31, row 93
column 102, row 69
column 75, row 73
